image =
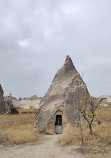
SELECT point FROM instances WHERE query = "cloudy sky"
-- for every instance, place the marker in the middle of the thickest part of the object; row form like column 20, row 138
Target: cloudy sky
column 36, row 36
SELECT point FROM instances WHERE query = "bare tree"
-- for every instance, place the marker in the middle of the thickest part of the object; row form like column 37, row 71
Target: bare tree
column 87, row 108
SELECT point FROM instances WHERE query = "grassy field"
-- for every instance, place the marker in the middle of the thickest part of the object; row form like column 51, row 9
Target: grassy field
column 31, row 110
column 17, row 129
column 97, row 145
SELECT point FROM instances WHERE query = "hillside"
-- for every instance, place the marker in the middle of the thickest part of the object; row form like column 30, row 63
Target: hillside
column 25, row 103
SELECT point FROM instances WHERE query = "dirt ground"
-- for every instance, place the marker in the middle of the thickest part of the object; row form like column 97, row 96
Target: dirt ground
column 45, row 149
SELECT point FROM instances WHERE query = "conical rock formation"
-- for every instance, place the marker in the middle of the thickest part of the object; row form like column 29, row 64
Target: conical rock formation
column 2, row 104
column 65, row 92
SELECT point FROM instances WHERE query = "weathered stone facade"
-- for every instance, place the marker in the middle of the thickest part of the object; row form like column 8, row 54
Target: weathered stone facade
column 2, row 104
column 66, row 90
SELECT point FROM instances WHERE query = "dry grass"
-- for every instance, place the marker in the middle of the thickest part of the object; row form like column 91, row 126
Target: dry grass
column 31, row 110
column 71, row 137
column 99, row 143
column 17, row 129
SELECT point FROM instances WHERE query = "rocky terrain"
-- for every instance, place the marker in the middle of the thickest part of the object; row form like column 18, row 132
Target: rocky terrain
column 66, row 91
column 105, row 100
column 25, row 103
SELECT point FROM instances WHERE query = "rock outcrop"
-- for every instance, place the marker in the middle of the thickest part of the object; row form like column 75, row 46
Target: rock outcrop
column 65, row 92
column 105, row 100
column 2, row 104
column 25, row 103
column 30, row 102
column 9, row 106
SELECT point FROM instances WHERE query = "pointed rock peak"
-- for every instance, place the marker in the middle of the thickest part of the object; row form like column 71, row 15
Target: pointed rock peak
column 68, row 61
column 69, row 64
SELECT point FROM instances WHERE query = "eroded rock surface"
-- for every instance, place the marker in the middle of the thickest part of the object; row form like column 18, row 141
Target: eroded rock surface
column 2, row 104
column 66, row 90
column 25, row 103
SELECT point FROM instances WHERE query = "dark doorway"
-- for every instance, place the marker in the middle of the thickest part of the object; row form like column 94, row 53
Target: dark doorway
column 58, row 124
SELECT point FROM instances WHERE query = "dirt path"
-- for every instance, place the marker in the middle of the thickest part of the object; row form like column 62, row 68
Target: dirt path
column 47, row 149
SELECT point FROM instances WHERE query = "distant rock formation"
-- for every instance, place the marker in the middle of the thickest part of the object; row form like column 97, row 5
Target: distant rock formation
column 30, row 102
column 25, row 103
column 66, row 90
column 105, row 100
column 9, row 105
column 2, row 104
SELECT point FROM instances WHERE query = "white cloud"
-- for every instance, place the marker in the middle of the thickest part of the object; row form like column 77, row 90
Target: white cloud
column 23, row 43
column 73, row 9
column 35, row 37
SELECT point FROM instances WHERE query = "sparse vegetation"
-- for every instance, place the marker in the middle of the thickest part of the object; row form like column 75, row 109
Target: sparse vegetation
column 88, row 109
column 99, row 142
column 17, row 129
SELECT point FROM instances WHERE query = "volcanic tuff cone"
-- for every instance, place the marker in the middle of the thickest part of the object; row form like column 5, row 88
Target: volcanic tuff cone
column 2, row 104
column 65, row 92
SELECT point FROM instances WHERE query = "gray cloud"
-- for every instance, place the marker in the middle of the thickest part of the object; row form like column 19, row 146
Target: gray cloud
column 35, row 37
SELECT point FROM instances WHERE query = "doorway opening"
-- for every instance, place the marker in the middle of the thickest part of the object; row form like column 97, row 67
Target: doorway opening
column 58, row 124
